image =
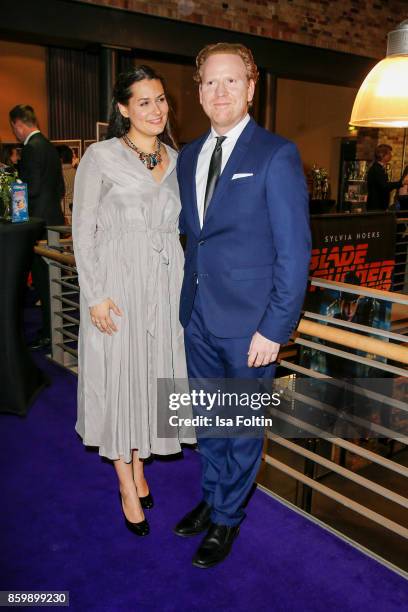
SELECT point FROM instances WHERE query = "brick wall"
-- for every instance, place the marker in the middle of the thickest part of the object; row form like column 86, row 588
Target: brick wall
column 352, row 26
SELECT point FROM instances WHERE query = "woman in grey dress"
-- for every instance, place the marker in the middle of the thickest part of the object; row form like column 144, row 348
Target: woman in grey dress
column 130, row 261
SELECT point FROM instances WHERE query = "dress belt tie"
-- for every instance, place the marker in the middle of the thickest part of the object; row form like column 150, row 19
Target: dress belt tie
column 158, row 257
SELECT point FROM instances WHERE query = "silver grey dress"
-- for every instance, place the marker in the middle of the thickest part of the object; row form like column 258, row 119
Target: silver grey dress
column 126, row 243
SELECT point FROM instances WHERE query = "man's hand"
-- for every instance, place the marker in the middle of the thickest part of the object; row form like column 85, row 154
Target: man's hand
column 262, row 351
column 100, row 316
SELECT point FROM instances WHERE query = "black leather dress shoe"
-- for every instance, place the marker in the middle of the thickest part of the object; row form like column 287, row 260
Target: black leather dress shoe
column 40, row 343
column 147, row 501
column 140, row 529
column 195, row 522
column 216, row 545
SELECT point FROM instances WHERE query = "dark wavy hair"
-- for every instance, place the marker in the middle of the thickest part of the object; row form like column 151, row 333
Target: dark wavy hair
column 120, row 125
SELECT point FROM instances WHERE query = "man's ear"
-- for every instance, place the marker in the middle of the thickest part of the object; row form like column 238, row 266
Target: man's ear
column 251, row 90
column 123, row 110
column 200, row 93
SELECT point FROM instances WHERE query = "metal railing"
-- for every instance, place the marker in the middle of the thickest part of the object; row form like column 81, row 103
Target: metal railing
column 64, row 296
column 388, row 353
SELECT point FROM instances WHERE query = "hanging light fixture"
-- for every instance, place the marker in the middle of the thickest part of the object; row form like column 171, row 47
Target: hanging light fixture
column 382, row 100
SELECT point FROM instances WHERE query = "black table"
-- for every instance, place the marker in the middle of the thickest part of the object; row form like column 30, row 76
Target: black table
column 20, row 378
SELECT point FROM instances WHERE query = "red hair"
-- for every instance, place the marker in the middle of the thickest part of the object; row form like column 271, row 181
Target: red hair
column 232, row 48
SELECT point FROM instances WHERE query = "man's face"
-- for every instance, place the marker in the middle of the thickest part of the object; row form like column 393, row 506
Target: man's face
column 387, row 158
column 19, row 130
column 225, row 90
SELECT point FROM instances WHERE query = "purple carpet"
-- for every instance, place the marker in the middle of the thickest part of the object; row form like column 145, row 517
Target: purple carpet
column 62, row 529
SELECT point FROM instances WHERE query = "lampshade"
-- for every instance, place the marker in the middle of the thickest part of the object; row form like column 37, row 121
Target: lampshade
column 382, row 100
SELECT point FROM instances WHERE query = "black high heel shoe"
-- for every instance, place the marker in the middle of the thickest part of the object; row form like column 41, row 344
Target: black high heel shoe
column 139, row 529
column 147, row 501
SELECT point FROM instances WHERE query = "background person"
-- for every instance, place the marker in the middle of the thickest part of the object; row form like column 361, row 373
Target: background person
column 402, row 194
column 378, row 185
column 40, row 168
column 10, row 157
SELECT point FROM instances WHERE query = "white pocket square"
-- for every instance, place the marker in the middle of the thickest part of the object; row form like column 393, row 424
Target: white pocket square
column 242, row 175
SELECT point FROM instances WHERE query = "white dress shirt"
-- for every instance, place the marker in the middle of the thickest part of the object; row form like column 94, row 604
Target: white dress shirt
column 29, row 136
column 203, row 164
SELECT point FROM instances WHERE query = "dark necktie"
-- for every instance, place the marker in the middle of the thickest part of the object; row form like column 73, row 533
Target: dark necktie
column 213, row 172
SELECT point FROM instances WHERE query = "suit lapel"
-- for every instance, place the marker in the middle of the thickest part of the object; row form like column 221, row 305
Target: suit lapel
column 191, row 176
column 239, row 151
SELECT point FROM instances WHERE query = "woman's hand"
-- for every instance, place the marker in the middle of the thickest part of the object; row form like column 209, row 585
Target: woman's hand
column 100, row 316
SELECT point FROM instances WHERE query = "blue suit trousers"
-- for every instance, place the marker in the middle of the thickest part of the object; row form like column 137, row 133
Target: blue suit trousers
column 229, row 465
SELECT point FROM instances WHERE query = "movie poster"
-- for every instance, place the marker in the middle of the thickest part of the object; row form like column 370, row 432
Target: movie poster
column 354, row 249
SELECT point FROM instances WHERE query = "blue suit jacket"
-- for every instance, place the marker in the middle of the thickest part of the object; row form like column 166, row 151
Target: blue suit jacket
column 251, row 257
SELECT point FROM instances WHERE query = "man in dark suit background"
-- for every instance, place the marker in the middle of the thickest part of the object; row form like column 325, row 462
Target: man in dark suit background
column 378, row 185
column 40, row 168
column 245, row 214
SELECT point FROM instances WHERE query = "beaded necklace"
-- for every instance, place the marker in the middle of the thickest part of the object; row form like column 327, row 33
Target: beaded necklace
column 150, row 160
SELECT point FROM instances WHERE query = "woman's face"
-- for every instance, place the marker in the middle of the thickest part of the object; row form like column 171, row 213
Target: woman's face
column 14, row 156
column 147, row 109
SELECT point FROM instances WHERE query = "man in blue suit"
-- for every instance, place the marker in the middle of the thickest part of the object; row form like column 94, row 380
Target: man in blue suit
column 245, row 214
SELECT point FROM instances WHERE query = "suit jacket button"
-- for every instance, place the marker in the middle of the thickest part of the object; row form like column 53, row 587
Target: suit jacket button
column 201, row 242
